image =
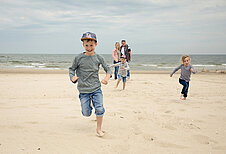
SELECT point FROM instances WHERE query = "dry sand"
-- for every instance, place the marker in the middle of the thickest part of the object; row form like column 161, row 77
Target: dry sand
column 40, row 113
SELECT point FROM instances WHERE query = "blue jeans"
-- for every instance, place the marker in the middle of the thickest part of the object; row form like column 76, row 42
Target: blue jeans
column 123, row 78
column 128, row 73
column 97, row 100
column 116, row 70
column 185, row 87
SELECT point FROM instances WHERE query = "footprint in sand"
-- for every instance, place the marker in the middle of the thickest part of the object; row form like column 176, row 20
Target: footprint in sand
column 182, row 110
column 211, row 115
column 168, row 111
column 220, row 147
column 32, row 122
column 169, row 127
column 16, row 127
column 169, row 145
column 136, row 112
column 136, row 130
column 107, row 136
column 203, row 139
column 70, row 117
column 148, row 138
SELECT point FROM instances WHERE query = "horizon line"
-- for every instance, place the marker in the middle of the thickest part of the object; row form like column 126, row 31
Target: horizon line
column 110, row 53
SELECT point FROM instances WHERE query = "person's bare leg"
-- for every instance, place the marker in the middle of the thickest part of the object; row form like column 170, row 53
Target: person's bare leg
column 100, row 133
column 117, row 83
column 124, row 85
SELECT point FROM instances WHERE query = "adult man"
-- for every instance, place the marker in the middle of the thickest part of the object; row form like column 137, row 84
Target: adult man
column 126, row 50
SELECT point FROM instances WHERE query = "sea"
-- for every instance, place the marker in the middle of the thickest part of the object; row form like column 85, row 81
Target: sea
column 140, row 62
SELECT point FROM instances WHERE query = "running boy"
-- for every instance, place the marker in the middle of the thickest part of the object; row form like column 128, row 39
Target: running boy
column 86, row 65
column 123, row 67
column 186, row 70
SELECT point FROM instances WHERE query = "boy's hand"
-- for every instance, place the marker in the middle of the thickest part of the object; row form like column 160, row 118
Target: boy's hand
column 171, row 75
column 74, row 78
column 105, row 80
column 123, row 67
column 191, row 70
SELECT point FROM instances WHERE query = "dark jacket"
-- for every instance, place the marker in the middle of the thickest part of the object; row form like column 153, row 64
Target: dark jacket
column 126, row 50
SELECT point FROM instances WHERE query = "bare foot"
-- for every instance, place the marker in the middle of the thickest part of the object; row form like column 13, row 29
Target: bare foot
column 182, row 96
column 100, row 133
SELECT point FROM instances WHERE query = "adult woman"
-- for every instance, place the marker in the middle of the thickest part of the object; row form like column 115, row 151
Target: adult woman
column 116, row 56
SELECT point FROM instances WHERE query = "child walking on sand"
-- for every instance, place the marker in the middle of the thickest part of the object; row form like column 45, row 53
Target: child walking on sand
column 123, row 67
column 86, row 65
column 186, row 70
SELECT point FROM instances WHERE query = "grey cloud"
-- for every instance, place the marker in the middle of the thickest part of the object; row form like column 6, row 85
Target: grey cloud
column 141, row 20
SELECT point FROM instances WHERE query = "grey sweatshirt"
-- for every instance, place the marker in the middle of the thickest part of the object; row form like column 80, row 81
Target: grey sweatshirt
column 185, row 72
column 87, row 68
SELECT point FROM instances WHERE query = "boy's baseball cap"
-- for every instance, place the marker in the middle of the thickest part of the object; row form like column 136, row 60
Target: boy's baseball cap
column 123, row 56
column 89, row 35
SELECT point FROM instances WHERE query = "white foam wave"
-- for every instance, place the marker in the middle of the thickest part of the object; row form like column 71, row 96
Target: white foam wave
column 37, row 64
column 200, row 65
column 165, row 67
column 149, row 65
column 23, row 66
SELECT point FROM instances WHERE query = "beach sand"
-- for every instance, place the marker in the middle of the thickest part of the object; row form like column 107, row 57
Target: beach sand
column 40, row 113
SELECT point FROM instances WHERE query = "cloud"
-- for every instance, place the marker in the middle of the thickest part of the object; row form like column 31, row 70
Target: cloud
column 141, row 21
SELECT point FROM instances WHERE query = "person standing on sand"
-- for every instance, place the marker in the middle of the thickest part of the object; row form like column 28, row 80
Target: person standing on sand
column 126, row 50
column 116, row 57
column 86, row 65
column 186, row 70
column 123, row 68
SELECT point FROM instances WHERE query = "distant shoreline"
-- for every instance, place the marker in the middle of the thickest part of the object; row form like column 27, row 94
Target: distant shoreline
column 65, row 71
column 173, row 54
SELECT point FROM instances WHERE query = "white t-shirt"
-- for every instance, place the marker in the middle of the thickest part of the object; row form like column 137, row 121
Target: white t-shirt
column 123, row 51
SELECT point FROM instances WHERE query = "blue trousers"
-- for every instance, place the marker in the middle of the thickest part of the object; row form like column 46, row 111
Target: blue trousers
column 185, row 87
column 128, row 72
column 116, row 70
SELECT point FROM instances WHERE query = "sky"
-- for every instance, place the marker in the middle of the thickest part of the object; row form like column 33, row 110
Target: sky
column 148, row 26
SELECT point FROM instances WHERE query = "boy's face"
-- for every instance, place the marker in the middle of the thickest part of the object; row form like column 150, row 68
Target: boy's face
column 123, row 60
column 89, row 46
column 187, row 61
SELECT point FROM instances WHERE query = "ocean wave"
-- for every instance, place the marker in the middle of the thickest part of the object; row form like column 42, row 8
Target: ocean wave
column 52, row 66
column 16, row 62
column 223, row 64
column 24, row 66
column 149, row 65
column 38, row 64
column 165, row 67
column 35, row 67
column 3, row 56
column 201, row 65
